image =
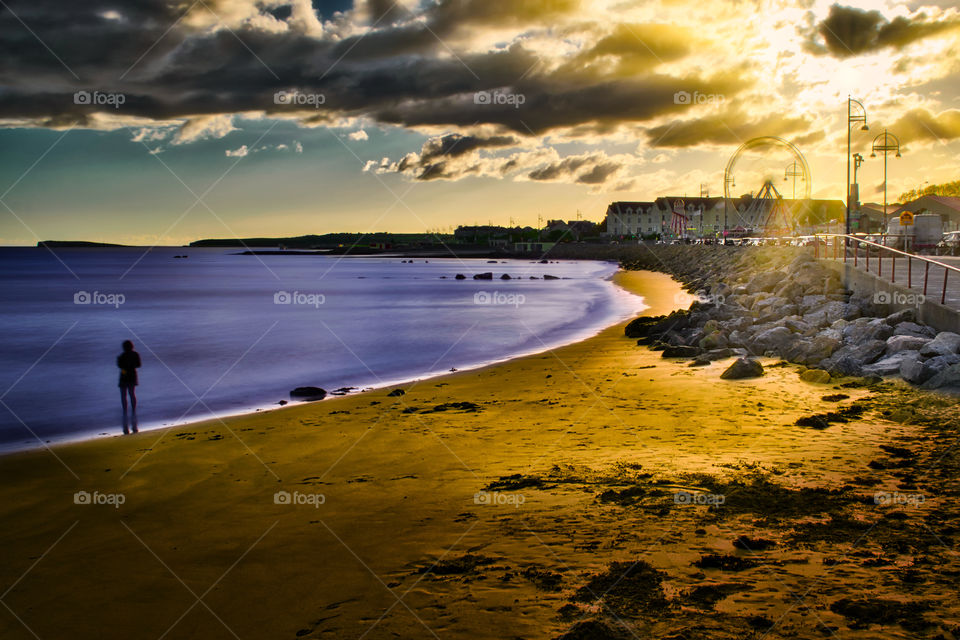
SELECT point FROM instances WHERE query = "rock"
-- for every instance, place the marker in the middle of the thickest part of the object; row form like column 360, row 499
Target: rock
column 680, row 351
column 896, row 344
column 483, row 276
column 719, row 354
column 549, row 277
column 505, row 276
column 775, row 339
column 743, row 368
column 915, row 369
column 888, row 366
column 809, row 303
column 949, row 378
column 945, row 343
column 864, row 330
column 714, row 340
column 460, row 276
column 815, row 376
column 308, row 393
column 906, row 315
column 396, row 392
column 812, row 350
column 914, row 329
column 765, row 281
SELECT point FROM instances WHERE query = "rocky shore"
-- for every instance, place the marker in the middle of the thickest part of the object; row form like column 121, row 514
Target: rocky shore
column 780, row 302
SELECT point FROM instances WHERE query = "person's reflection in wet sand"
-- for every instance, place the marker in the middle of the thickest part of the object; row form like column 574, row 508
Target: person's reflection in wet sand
column 128, row 362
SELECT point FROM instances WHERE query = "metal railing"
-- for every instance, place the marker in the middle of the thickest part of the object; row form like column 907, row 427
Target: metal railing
column 843, row 244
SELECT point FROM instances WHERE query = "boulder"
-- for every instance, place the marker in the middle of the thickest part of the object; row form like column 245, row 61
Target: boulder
column 896, row 344
column 917, row 370
column 815, row 376
column 811, row 351
column 680, row 351
column 549, row 277
column 743, row 368
column 865, row 330
column 460, row 276
column 850, row 359
column 944, row 344
column 713, row 340
column 914, row 329
column 765, row 281
column 483, row 276
column 308, row 393
column 775, row 339
column 888, row 366
column 396, row 392
column 505, row 276
column 948, row 378
column 906, row 315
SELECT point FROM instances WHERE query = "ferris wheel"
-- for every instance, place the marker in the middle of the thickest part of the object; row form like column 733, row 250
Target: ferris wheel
column 760, row 162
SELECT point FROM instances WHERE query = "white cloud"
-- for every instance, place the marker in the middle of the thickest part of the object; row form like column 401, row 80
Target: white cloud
column 203, row 127
column 359, row 135
column 238, row 153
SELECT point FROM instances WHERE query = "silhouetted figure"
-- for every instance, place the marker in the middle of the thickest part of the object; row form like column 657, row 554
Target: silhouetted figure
column 129, row 362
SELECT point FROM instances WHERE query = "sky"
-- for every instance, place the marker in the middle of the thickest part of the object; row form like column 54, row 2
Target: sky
column 162, row 122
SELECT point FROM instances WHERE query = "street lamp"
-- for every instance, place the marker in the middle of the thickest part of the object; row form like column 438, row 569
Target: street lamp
column 792, row 171
column 852, row 117
column 889, row 143
column 857, row 161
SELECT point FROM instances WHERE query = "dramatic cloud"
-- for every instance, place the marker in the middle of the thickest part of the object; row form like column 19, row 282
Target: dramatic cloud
column 921, row 125
column 848, row 31
column 730, row 127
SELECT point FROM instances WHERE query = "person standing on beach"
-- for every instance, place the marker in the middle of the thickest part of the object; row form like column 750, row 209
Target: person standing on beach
column 128, row 362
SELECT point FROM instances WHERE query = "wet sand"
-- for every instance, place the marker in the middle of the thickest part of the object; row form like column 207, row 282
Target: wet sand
column 546, row 495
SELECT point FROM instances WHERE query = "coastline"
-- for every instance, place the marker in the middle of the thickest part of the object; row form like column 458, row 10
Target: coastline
column 624, row 285
column 510, row 489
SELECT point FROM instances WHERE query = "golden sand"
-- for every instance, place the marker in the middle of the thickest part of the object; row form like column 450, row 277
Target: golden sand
column 201, row 549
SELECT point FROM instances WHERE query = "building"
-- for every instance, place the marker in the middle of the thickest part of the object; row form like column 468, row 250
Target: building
column 947, row 207
column 706, row 217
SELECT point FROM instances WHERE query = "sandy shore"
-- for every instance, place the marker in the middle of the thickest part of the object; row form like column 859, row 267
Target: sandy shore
column 577, row 454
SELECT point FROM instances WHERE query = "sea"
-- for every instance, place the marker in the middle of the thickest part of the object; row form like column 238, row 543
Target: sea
column 222, row 333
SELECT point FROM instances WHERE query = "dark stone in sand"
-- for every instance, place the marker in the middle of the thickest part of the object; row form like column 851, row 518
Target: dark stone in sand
column 282, row 402
column 743, row 368
column 549, row 277
column 753, row 544
column 680, row 351
column 396, row 392
column 460, row 276
column 836, row 397
column 483, row 276
column 506, row 276
column 593, row 630
column 875, row 611
column 308, row 393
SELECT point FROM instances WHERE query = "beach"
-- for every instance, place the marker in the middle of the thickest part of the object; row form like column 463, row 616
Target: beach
column 596, row 490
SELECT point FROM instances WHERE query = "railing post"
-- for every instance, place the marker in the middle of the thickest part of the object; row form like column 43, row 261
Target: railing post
column 943, row 296
column 879, row 264
column 893, row 268
column 926, row 276
column 909, row 272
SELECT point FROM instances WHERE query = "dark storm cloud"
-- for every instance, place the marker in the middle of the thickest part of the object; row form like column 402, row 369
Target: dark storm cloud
column 848, row 31
column 728, row 127
column 921, row 125
column 592, row 169
column 169, row 63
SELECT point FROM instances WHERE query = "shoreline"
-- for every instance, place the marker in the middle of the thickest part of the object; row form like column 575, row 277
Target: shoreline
column 490, row 503
column 615, row 278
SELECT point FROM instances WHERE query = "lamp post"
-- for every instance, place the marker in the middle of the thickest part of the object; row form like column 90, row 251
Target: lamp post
column 853, row 117
column 733, row 183
column 792, row 171
column 885, row 142
column 857, row 161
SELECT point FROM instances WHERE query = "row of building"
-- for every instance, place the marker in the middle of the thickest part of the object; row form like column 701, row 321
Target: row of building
column 706, row 217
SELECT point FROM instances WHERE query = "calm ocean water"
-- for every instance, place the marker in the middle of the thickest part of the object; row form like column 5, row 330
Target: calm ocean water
column 221, row 333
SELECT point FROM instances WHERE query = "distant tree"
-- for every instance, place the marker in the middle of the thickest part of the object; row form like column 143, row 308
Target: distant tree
column 951, row 189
